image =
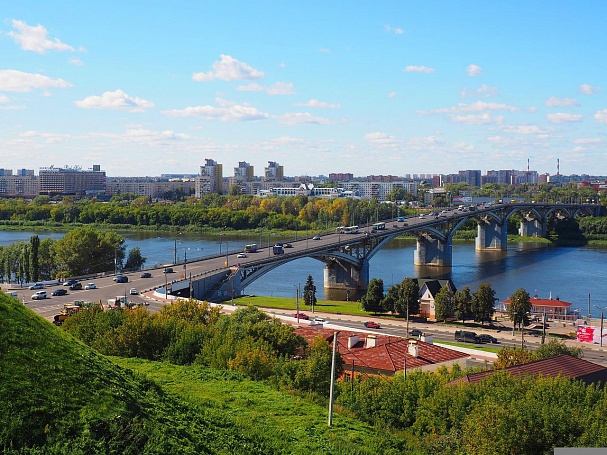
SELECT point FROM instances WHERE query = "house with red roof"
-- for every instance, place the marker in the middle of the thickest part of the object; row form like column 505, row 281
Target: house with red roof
column 561, row 365
column 365, row 353
column 552, row 308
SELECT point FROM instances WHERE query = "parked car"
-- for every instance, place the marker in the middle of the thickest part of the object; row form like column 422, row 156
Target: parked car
column 168, row 270
column 415, row 333
column 35, row 286
column 302, row 316
column 133, row 291
column 145, row 275
column 371, row 325
column 242, row 255
column 466, row 337
column 484, row 338
column 90, row 286
column 40, row 295
column 60, row 291
column 76, row 287
column 70, row 282
column 121, row 279
column 316, row 237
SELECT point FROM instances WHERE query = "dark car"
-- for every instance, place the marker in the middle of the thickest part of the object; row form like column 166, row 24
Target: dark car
column 287, row 245
column 145, row 275
column 466, row 337
column 415, row 333
column 70, row 282
column 168, row 270
column 371, row 325
column 76, row 287
column 484, row 338
column 121, row 279
column 302, row 316
column 59, row 291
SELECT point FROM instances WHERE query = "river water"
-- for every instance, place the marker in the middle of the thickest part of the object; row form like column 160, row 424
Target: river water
column 570, row 273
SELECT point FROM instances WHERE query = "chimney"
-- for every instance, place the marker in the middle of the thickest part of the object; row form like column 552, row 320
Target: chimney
column 371, row 341
column 352, row 340
column 413, row 348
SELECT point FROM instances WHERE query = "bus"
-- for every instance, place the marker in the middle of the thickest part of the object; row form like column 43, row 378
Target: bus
column 378, row 226
column 252, row 248
column 350, row 230
column 340, row 230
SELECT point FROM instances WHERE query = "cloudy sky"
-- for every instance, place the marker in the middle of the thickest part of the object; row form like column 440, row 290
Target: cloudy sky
column 386, row 87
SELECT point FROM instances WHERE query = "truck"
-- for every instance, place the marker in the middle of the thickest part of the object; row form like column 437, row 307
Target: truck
column 278, row 249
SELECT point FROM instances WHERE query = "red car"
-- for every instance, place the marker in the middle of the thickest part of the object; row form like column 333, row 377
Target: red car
column 371, row 325
column 302, row 316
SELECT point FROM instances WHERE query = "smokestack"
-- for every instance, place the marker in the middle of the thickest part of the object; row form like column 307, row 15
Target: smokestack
column 557, row 167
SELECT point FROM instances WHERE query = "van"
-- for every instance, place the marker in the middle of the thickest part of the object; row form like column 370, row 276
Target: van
column 466, row 337
column 40, row 295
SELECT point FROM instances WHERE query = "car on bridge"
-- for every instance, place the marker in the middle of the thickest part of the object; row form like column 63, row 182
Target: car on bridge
column 145, row 275
column 371, row 325
column 485, row 338
column 242, row 255
column 287, row 245
column 168, row 270
column 133, row 291
column 316, row 237
column 70, row 282
column 415, row 333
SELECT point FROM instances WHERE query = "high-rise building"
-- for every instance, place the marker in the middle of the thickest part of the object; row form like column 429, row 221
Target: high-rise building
column 244, row 171
column 274, row 172
column 211, row 178
column 71, row 181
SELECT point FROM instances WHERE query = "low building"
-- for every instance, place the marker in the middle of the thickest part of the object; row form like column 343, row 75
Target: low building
column 428, row 288
column 552, row 308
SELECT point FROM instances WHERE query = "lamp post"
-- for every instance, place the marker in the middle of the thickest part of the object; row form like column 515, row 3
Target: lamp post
column 220, row 239
column 297, row 301
column 602, row 316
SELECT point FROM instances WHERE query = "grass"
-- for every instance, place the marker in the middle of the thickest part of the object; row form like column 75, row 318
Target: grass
column 288, row 303
column 478, row 347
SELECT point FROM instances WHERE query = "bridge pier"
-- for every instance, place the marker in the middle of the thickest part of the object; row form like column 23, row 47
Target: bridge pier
column 433, row 251
column 345, row 276
column 491, row 235
column 532, row 228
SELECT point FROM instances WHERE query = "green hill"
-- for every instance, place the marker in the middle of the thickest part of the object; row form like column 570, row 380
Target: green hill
column 58, row 396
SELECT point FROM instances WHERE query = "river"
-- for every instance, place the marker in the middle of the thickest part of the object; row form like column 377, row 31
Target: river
column 570, row 273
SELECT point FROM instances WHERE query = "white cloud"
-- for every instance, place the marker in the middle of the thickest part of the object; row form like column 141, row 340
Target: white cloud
column 588, row 89
column 553, row 101
column 525, row 129
column 477, row 106
column 35, row 38
column 319, row 104
column 302, row 118
column 225, row 112
column 382, row 140
column 4, row 99
column 395, row 30
column 228, row 69
column 76, row 62
column 117, row 100
column 392, row 95
column 280, row 88
column 477, row 119
column 48, row 138
column 601, row 116
column 486, row 91
column 426, row 142
column 143, row 136
column 325, row 50
column 588, row 140
column 418, row 69
column 473, row 70
column 18, row 81
column 563, row 117
column 252, row 87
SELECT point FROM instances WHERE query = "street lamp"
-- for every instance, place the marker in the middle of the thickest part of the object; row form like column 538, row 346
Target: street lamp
column 602, row 315
column 220, row 238
column 297, row 300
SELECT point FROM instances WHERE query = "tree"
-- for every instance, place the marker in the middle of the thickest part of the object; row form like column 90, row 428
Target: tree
column 372, row 301
column 135, row 260
column 234, row 190
column 85, row 250
column 35, row 257
column 520, row 306
column 556, row 347
column 309, row 291
column 443, row 304
column 463, row 303
column 483, row 303
column 403, row 296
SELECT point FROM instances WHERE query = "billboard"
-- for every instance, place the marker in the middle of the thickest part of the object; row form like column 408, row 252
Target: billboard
column 590, row 334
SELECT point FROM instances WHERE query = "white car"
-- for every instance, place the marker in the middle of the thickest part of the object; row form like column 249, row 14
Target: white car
column 40, row 295
column 36, row 286
column 133, row 291
column 90, row 286
column 319, row 320
column 242, row 255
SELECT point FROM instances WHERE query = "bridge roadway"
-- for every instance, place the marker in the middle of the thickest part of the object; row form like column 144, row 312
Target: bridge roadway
column 303, row 247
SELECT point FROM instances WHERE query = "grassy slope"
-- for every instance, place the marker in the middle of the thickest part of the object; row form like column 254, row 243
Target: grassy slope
column 59, row 396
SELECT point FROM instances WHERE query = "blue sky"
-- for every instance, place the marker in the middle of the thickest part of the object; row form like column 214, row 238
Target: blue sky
column 386, row 87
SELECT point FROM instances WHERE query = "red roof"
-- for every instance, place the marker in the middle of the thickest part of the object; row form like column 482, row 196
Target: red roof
column 388, row 356
column 564, row 365
column 553, row 303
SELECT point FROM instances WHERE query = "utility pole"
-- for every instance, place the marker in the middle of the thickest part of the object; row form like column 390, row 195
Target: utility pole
column 333, row 378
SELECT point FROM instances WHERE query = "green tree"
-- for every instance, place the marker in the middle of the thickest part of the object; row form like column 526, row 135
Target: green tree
column 35, row 257
column 520, row 306
column 409, row 295
column 315, row 374
column 372, row 300
column 463, row 303
column 85, row 250
column 309, row 291
column 135, row 260
column 483, row 303
column 556, row 347
column 443, row 304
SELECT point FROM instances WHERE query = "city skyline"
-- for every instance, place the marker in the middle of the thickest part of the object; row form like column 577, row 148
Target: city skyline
column 386, row 88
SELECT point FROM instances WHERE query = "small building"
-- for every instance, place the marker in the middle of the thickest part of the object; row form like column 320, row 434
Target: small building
column 428, row 288
column 552, row 308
